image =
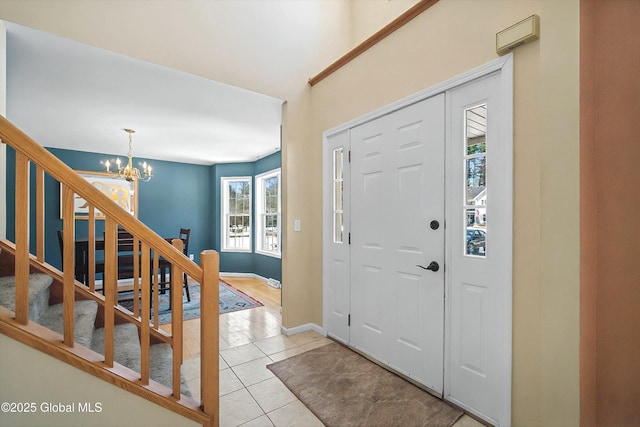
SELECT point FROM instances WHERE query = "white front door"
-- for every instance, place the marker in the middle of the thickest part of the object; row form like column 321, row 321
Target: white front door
column 444, row 155
column 397, row 240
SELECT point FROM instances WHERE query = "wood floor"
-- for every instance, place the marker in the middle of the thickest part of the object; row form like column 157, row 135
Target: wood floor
column 239, row 327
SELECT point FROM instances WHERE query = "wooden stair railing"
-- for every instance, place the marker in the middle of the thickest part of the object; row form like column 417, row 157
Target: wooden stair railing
column 152, row 247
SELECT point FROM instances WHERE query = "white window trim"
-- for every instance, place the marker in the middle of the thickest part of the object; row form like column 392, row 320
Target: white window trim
column 225, row 209
column 259, row 232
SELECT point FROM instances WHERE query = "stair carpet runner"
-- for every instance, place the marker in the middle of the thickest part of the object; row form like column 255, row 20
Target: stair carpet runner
column 126, row 341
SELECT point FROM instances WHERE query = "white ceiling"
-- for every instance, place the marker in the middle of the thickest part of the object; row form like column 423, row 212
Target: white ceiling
column 65, row 94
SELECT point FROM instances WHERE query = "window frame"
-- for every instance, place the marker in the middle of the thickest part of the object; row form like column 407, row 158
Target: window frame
column 260, row 228
column 224, row 214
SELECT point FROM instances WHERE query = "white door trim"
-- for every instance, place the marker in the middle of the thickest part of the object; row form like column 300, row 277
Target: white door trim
column 504, row 66
column 504, row 63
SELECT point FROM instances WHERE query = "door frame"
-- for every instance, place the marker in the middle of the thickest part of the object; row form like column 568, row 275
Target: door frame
column 503, row 65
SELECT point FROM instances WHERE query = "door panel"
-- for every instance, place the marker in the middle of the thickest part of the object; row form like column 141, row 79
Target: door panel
column 398, row 189
column 370, row 187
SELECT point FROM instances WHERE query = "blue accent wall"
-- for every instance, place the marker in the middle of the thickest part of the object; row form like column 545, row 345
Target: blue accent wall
column 178, row 196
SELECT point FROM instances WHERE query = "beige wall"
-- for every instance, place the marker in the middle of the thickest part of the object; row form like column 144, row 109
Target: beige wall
column 448, row 39
column 28, row 375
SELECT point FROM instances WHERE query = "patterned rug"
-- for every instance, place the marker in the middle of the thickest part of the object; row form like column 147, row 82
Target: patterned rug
column 231, row 299
column 343, row 389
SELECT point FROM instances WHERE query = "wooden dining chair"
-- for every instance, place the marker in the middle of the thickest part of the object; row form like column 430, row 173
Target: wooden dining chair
column 184, row 235
column 164, row 265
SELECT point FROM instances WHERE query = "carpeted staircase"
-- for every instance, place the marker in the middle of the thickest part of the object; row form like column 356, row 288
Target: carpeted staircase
column 126, row 341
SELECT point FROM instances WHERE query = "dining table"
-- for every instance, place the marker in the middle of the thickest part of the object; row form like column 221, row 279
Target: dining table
column 81, row 267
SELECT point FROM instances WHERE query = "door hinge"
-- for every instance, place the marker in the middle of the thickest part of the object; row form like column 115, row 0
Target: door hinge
column 349, row 156
column 349, row 239
column 349, row 320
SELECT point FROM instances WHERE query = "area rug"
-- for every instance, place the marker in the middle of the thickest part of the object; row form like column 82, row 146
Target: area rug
column 231, row 299
column 343, row 389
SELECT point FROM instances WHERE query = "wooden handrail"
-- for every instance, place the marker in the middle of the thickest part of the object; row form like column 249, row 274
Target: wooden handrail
column 22, row 143
column 28, row 151
column 407, row 16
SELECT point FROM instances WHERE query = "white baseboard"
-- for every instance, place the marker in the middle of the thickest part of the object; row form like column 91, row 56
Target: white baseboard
column 255, row 276
column 303, row 328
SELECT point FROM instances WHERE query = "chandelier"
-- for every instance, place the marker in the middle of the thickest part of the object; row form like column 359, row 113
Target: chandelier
column 129, row 172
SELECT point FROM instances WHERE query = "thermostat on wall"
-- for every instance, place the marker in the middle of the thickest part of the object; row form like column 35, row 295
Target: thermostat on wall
column 518, row 34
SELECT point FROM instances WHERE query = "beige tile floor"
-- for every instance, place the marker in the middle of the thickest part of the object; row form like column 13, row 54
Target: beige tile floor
column 250, row 395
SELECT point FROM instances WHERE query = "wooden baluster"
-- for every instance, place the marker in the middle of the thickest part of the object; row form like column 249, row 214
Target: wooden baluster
column 68, row 250
column 40, row 213
column 22, row 239
column 176, row 320
column 110, row 284
column 146, row 314
column 136, row 275
column 209, row 344
column 91, row 250
column 156, row 298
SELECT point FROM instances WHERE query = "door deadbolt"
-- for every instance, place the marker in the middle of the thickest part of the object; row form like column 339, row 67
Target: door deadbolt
column 434, row 225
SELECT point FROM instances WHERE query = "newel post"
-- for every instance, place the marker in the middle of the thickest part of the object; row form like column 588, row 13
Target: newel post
column 209, row 334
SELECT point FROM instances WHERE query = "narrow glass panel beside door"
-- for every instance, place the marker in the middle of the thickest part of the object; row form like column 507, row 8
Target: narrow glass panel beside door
column 475, row 158
column 338, row 206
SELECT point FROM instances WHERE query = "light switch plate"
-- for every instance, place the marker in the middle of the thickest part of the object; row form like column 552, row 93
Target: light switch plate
column 296, row 225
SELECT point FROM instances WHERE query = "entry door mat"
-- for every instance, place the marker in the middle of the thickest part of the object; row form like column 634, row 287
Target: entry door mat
column 344, row 389
column 231, row 299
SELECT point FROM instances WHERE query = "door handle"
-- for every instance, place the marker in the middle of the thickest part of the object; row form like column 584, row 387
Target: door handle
column 433, row 266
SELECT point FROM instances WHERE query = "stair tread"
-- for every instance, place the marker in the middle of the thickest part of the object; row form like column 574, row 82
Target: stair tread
column 126, row 349
column 38, row 294
column 127, row 352
column 160, row 361
column 84, row 314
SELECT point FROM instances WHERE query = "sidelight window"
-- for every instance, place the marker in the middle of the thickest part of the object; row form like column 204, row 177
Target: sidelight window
column 338, row 197
column 475, row 203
